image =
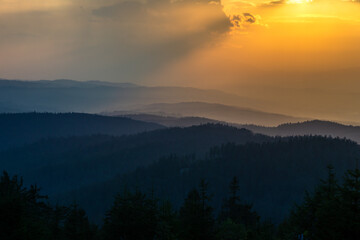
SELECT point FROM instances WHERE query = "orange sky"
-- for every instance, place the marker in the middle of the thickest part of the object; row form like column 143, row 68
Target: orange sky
column 303, row 58
column 300, row 57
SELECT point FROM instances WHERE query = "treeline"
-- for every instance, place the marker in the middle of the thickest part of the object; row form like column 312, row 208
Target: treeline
column 134, row 215
column 330, row 212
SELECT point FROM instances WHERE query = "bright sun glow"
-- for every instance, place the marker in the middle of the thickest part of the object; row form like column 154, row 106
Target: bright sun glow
column 298, row 1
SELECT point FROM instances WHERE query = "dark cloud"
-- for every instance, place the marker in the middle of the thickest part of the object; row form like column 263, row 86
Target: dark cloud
column 249, row 18
column 274, row 3
column 238, row 20
column 277, row 2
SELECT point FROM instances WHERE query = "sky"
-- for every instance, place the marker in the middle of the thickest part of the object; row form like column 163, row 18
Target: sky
column 300, row 57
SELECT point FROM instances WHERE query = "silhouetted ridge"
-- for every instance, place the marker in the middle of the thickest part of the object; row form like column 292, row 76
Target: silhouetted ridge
column 316, row 127
column 21, row 128
column 313, row 123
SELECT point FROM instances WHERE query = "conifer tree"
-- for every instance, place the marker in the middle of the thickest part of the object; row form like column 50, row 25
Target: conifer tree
column 233, row 209
column 133, row 216
column 228, row 230
column 196, row 216
column 77, row 226
column 166, row 228
column 319, row 216
column 350, row 205
column 23, row 212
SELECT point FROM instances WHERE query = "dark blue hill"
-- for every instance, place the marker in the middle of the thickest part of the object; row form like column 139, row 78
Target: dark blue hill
column 22, row 128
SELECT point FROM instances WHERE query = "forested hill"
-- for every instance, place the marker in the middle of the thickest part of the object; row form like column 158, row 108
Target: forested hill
column 62, row 164
column 272, row 175
column 315, row 127
column 21, row 128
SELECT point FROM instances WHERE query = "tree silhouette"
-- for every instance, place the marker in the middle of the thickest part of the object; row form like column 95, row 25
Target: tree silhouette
column 133, row 216
column 23, row 211
column 350, row 205
column 196, row 216
column 237, row 212
column 76, row 225
column 330, row 213
column 167, row 225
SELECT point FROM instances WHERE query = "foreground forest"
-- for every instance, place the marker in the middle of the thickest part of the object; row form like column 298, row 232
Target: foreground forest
column 272, row 175
column 331, row 211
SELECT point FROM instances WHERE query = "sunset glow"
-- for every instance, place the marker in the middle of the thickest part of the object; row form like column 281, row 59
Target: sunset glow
column 238, row 46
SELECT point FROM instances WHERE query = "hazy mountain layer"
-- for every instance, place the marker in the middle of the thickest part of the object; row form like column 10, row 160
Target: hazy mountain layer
column 169, row 121
column 315, row 127
column 214, row 111
column 96, row 96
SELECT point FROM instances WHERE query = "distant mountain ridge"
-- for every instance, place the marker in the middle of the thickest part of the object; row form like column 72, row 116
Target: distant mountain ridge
column 220, row 112
column 60, row 83
column 168, row 121
column 95, row 96
column 313, row 127
column 22, row 128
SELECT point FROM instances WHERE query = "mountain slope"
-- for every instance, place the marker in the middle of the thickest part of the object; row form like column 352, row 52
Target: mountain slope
column 21, row 128
column 66, row 163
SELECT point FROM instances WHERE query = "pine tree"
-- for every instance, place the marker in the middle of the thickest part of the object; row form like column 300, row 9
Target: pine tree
column 319, row 216
column 77, row 226
column 56, row 221
column 166, row 228
column 350, row 205
column 228, row 230
column 233, row 209
column 196, row 216
column 133, row 216
column 23, row 212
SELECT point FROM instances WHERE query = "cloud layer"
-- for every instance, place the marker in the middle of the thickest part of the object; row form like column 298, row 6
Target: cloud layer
column 91, row 40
